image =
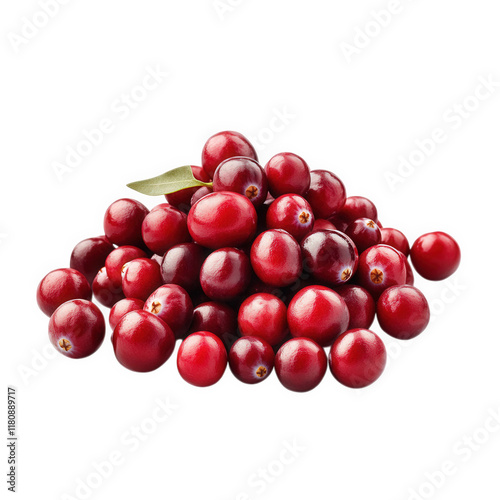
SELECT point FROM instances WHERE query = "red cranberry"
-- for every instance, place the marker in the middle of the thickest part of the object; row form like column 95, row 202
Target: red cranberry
column 200, row 193
column 360, row 304
column 141, row 278
column 225, row 274
column 300, row 364
column 181, row 265
column 105, row 291
column 318, row 313
column 357, row 358
column 326, row 194
column 123, row 222
column 217, row 318
column 182, row 199
column 435, row 256
column 89, row 256
column 77, row 328
column 355, row 207
column 380, row 267
column 396, row 239
column 263, row 315
column 403, row 312
column 330, row 256
column 60, row 286
column 323, row 224
column 117, row 259
column 364, row 233
column 164, row 227
column 222, row 219
column 276, row 258
column 202, row 359
column 251, row 360
column 291, row 213
column 123, row 307
column 222, row 146
column 244, row 176
column 142, row 342
column 287, row 173
column 172, row 304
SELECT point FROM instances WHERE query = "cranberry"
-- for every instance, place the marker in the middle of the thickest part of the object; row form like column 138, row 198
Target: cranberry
column 142, row 342
column 276, row 258
column 77, row 328
column 291, row 213
column 244, row 176
column 164, row 227
column 202, row 359
column 355, row 207
column 300, row 364
column 326, row 194
column 123, row 307
column 287, row 173
column 396, row 239
column 380, row 267
column 251, row 360
column 217, row 318
column 117, row 259
column 263, row 315
column 181, row 265
column 357, row 358
column 330, row 256
column 200, row 193
column 182, row 199
column 222, row 219
column 364, row 233
column 320, row 224
column 318, row 313
column 123, row 222
column 360, row 304
column 435, row 256
column 89, row 256
column 141, row 278
column 60, row 286
column 403, row 312
column 225, row 274
column 105, row 291
column 222, row 146
column 172, row 304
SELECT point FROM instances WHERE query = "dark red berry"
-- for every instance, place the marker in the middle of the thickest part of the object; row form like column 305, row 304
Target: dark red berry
column 287, row 173
column 291, row 213
column 326, row 194
column 123, row 307
column 396, row 239
column 89, row 256
column 364, row 233
column 141, row 278
column 117, row 259
column 320, row 224
column 360, row 304
column 355, row 207
column 200, row 193
column 105, row 291
column 181, row 265
column 123, row 222
column 217, row 318
column 182, row 199
column 251, row 359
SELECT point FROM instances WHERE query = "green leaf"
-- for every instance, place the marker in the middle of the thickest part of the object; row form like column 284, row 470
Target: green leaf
column 169, row 182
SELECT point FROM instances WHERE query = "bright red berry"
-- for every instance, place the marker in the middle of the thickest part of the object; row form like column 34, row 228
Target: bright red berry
column 141, row 278
column 326, row 194
column 291, row 213
column 123, row 222
column 123, row 307
column 287, row 173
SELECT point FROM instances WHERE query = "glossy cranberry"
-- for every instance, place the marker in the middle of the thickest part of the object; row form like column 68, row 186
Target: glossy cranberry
column 364, row 233
column 105, row 291
column 181, row 265
column 251, row 360
column 165, row 227
column 141, row 278
column 60, row 286
column 435, row 256
column 200, row 193
column 225, row 274
column 172, row 304
column 123, row 222
column 182, row 199
column 222, row 146
column 123, row 307
column 381, row 267
column 287, row 173
column 357, row 358
column 276, row 258
column 77, row 328
column 142, row 342
column 217, row 318
column 263, row 315
column 360, row 304
column 89, row 256
column 330, row 256
column 117, row 259
column 300, row 364
column 326, row 194
column 291, row 213
column 395, row 239
column 355, row 207
column 244, row 176
column 222, row 219
column 323, row 224
column 202, row 359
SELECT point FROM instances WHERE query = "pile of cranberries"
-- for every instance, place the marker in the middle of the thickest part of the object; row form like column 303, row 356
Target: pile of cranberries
column 260, row 268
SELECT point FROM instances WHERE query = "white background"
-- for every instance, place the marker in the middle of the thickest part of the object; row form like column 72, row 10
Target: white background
column 237, row 70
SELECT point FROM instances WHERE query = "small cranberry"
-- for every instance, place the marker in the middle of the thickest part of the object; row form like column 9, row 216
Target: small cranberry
column 287, row 173
column 291, row 213
column 123, row 222
column 360, row 304
column 181, row 265
column 89, row 256
column 355, row 207
column 217, row 318
column 123, row 307
column 182, row 199
column 105, row 291
column 251, row 360
column 326, row 194
column 117, row 259
column 364, row 233
column 141, row 278
column 396, row 239
column 200, row 193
